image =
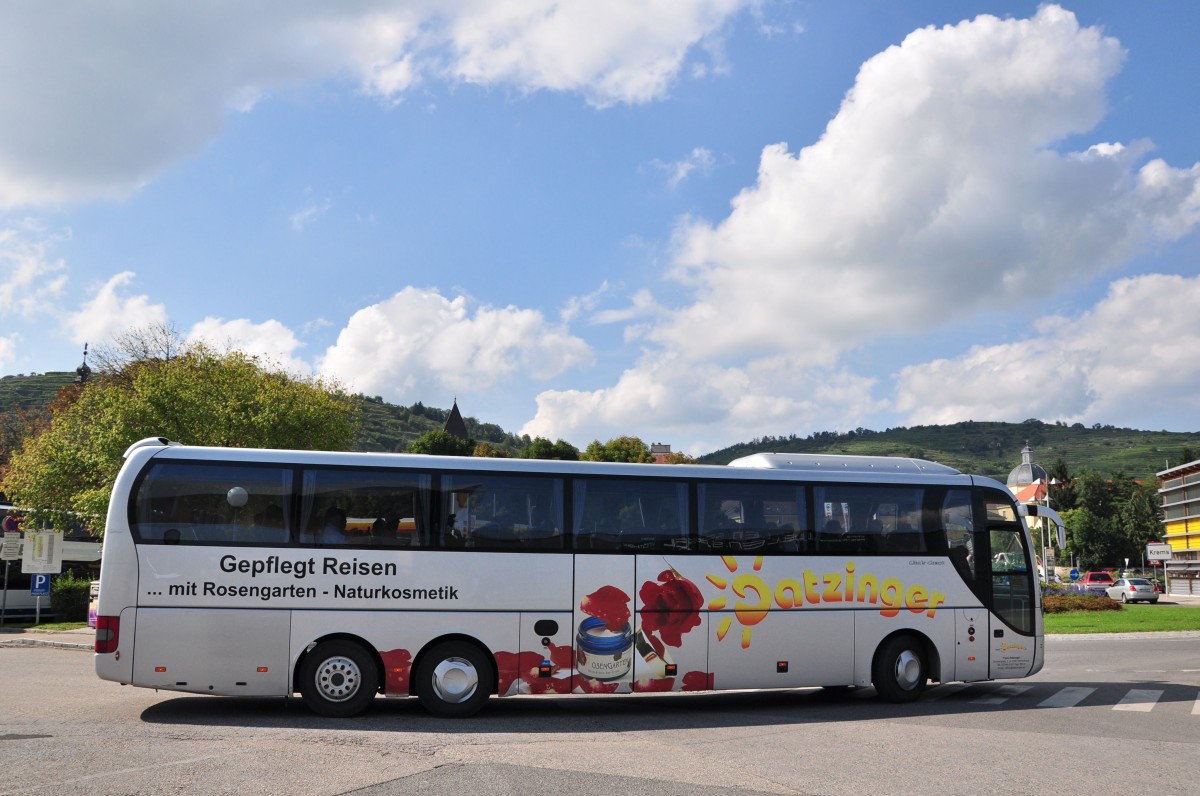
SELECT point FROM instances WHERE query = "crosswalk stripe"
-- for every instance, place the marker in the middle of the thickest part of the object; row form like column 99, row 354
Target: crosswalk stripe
column 1196, row 707
column 1068, row 697
column 1139, row 699
column 1003, row 694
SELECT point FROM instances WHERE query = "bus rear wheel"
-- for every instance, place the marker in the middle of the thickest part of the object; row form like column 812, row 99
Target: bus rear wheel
column 338, row 679
column 900, row 669
column 454, row 679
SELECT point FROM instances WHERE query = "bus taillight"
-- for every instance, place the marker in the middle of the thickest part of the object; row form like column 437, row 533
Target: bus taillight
column 107, row 633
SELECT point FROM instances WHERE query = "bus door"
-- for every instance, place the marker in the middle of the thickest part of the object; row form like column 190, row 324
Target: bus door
column 1009, row 572
column 972, row 631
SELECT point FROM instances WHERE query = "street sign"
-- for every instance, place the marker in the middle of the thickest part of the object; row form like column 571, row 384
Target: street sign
column 1158, row 550
column 10, row 547
column 1074, row 574
column 43, row 552
column 11, row 523
column 39, row 585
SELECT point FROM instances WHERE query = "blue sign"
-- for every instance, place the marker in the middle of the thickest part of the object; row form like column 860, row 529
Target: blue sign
column 39, row 586
column 1074, row 574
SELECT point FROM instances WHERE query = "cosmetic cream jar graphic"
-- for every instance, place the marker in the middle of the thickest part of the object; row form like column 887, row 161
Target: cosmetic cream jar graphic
column 603, row 654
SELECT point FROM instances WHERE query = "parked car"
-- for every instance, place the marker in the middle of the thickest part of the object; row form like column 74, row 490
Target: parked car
column 1130, row 590
column 1095, row 583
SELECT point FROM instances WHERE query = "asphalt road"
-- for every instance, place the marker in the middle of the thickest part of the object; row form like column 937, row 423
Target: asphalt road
column 1105, row 712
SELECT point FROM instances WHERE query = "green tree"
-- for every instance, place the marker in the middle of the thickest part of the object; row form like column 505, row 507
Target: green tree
column 1064, row 494
column 441, row 443
column 196, row 397
column 1185, row 456
column 621, row 449
column 1138, row 520
column 1096, row 494
column 1089, row 541
column 542, row 448
column 17, row 424
column 490, row 451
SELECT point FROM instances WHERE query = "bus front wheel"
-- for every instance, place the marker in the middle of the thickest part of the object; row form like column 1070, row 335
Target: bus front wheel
column 900, row 669
column 338, row 679
column 454, row 679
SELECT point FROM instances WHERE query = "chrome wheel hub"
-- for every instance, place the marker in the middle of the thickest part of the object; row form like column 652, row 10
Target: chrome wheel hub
column 908, row 670
column 338, row 679
column 455, row 680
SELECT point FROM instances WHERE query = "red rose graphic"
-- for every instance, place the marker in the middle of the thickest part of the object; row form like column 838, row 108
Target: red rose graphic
column 524, row 666
column 670, row 607
column 654, row 684
column 608, row 604
column 587, row 685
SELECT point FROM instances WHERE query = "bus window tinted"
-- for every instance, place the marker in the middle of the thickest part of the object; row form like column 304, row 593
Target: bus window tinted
column 180, row 503
column 958, row 528
column 864, row 519
column 364, row 508
column 615, row 514
column 737, row 517
column 502, row 512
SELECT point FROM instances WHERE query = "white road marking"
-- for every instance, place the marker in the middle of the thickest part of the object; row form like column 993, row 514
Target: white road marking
column 1068, row 697
column 1139, row 699
column 1003, row 694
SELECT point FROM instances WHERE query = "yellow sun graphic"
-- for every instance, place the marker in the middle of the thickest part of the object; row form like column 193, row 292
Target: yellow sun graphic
column 748, row 613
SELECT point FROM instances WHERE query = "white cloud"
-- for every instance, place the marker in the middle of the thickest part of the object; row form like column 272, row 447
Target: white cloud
column 577, row 304
column 641, row 305
column 419, row 344
column 615, row 51
column 108, row 313
column 269, row 340
column 935, row 193
column 8, row 351
column 1137, row 352
column 699, row 160
column 305, row 216
column 111, row 95
column 30, row 277
column 704, row 406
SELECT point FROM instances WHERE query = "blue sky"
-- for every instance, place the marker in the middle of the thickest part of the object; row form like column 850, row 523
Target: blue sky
column 694, row 221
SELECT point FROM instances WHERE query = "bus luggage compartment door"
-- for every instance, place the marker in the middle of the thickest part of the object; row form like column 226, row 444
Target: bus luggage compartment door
column 212, row 651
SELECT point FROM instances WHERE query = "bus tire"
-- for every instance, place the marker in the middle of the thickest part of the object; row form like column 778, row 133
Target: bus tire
column 900, row 669
column 338, row 679
column 454, row 679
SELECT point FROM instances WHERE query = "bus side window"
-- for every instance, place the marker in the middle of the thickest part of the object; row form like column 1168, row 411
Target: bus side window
column 502, row 512
column 857, row 520
column 737, row 517
column 957, row 527
column 647, row 515
column 382, row 508
column 196, row 502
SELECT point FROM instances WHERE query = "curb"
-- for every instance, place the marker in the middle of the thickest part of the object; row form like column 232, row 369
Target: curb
column 41, row 642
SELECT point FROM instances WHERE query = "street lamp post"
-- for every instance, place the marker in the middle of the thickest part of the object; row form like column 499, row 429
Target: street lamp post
column 1047, row 544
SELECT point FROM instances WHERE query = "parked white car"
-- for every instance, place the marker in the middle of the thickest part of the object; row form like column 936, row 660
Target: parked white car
column 1132, row 590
